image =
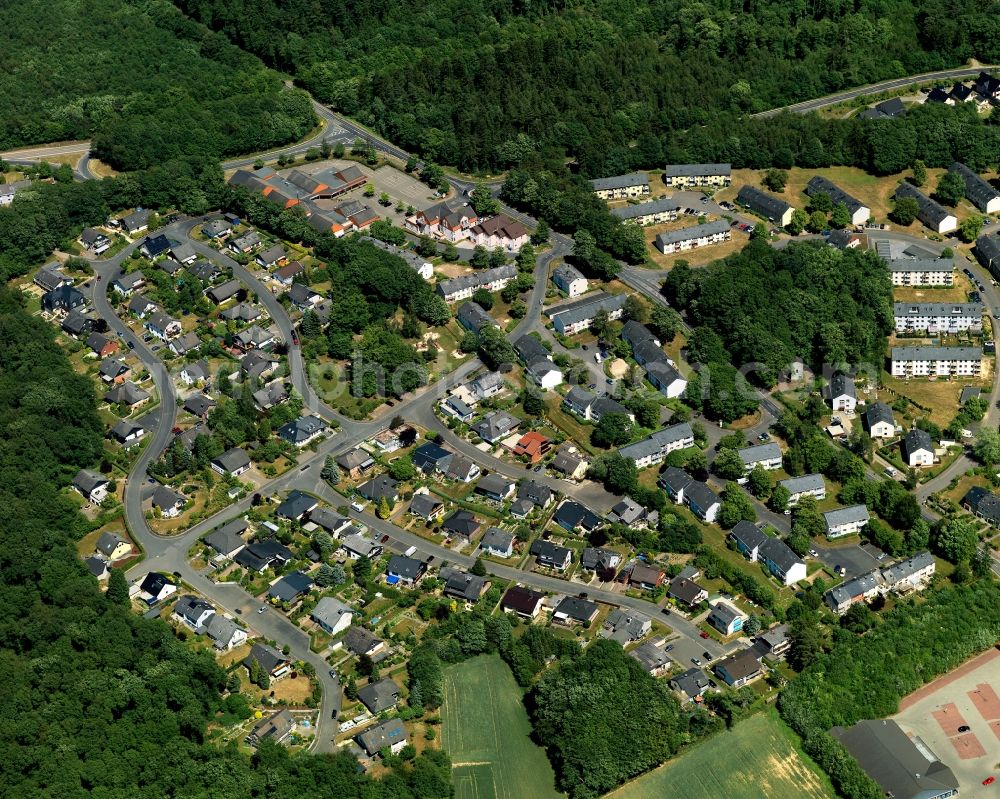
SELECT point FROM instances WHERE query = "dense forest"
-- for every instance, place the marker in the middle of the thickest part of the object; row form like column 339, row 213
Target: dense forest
column 145, row 83
column 834, row 308
column 458, row 80
column 865, row 677
column 100, row 702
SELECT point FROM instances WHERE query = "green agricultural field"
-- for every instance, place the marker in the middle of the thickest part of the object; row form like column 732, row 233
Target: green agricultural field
column 756, row 758
column 485, row 731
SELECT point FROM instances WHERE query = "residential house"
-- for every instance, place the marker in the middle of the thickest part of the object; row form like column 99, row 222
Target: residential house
column 427, row 507
column 225, row 633
column 930, row 213
column 418, row 264
column 168, row 502
column 285, row 275
column 938, row 317
column 462, row 523
column 844, row 240
column 551, row 556
column 845, row 521
column 357, row 546
column 533, row 446
column 499, row 232
column 573, row 610
column 227, row 540
column 655, row 212
column 693, row 237
column 155, row 587
column 765, row 205
column 456, row 407
column 522, row 601
column 497, row 542
column 270, row 660
column 902, row 767
column 49, row 277
column 807, row 485
column 674, row 481
column 8, row 191
column 922, row 271
column 496, row 487
column 702, row 501
column 254, row 338
column 290, row 588
column 648, row 578
column 355, row 462
column 332, row 522
column 217, row 229
column 95, row 241
column 539, row 494
column 461, row 469
column 767, row 456
column 495, row 426
column 569, row 280
column 273, row 256
column 359, row 641
column 185, row 344
column 603, row 562
column 127, row 394
column 112, row 546
column 205, row 271
column 569, row 462
column 629, row 513
column 473, row 317
column 246, row 243
column 917, row 449
column 332, row 615
column 572, row 516
column 980, row 193
column 379, row 696
column 841, row 393
column 544, row 375
column 114, row 371
column 277, row 728
column 296, row 506
column 863, row 588
column 779, row 559
column 63, row 300
column 909, row 574
column 136, row 222
column 78, row 324
column 686, row 592
column 739, row 669
column 431, row 457
column 242, row 312
column 654, row 449
column 573, row 317
column 773, row 643
column 387, row 440
column 405, row 570
column 652, row 657
column 666, row 379
column 860, row 213
column 303, row 297
column 389, row 735
column 303, row 431
column 691, row 684
column 879, row 421
column 936, row 361
column 379, row 488
column 726, row 618
column 193, row 611
column 141, row 307
column 621, row 187
column 274, row 393
column 461, row 585
column 127, row 433
column 93, row 486
column 155, row 246
column 694, row 175
column 988, row 253
column 984, row 504
column 263, row 554
column 224, row 291
column 464, row 286
column 233, row 462
column 162, row 326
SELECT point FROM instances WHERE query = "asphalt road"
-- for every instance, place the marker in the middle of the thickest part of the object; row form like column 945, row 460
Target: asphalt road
column 875, row 88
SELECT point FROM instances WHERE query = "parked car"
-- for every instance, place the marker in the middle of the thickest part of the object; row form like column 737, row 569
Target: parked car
column 262, row 608
column 703, row 634
column 696, row 661
column 989, row 780
column 385, row 538
column 964, row 728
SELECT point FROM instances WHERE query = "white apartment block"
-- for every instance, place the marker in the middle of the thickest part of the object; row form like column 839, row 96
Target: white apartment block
column 690, row 238
column 652, row 213
column 621, row 187
column 938, row 317
column 937, row 361
column 683, row 175
column 922, row 271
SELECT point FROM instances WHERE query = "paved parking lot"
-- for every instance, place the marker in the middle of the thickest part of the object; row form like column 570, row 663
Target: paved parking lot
column 855, row 558
column 966, row 697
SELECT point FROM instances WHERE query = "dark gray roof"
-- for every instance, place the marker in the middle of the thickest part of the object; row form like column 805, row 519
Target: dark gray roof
column 586, row 308
column 387, row 734
column 407, row 568
column 578, row 609
column 988, row 251
column 664, row 204
column 461, row 584
column 87, row 480
column 233, row 459
column 290, row 587
column 227, row 538
column 748, row 534
column 931, row 213
column 360, row 641
column 916, row 440
column 497, row 539
column 894, row 761
column 621, row 181
column 267, row 656
column 695, row 231
column 530, row 349
column 879, row 412
column 166, row 498
column 983, row 503
column 379, row 696
column 425, row 504
column 462, row 522
column 296, row 505
column 820, row 185
column 936, row 353
column 380, row 487
column 840, row 386
column 696, row 170
column 762, row 203
column 473, row 316
column 979, row 192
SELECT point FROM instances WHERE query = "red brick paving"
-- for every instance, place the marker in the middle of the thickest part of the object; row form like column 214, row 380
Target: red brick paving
column 986, row 701
column 950, row 677
column 967, row 746
column 949, row 718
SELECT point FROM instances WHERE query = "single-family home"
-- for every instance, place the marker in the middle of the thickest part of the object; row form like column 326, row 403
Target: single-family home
column 599, row 560
column 879, row 421
column 690, row 684
column 462, row 523
column 63, row 300
column 50, row 277
column 405, row 570
column 357, row 545
column 277, row 728
column 379, row 488
column 93, row 486
column 648, row 578
column 234, row 462
column 426, row 506
column 95, row 241
column 155, row 246
column 569, row 280
column 498, row 542
column 686, row 592
column 155, row 587
column 136, row 222
column 113, row 547
column 162, row 326
column 551, row 556
column 168, row 503
column 127, row 433
column 533, row 446
column 332, row 615
column 462, row 585
column 296, row 506
column 984, row 504
column 573, row 517
column 652, row 657
column 739, row 669
column 270, row 660
column 355, row 462
column 113, row 370
column 290, row 588
column 726, row 618
column 193, row 611
column 841, row 393
column 569, row 462
column 379, row 696
column 225, row 633
column 390, row 734
column 573, row 610
column 522, row 601
column 496, row 487
column 917, row 448
column 303, row 431
column 246, row 243
column 227, row 540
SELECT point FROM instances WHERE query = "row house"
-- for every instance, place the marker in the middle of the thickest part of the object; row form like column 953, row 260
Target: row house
column 930, row 213
column 655, row 212
column 464, row 286
column 690, row 238
column 765, row 205
column 695, row 175
column 621, row 187
column 860, row 213
column 980, row 193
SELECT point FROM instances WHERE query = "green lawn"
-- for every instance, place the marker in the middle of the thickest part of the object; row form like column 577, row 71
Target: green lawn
column 485, row 731
column 758, row 757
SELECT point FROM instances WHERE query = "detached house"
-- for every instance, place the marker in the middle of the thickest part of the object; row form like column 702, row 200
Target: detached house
column 725, row 618
column 879, row 421
column 551, row 556
column 739, row 669
column 233, row 462
column 569, row 280
column 841, row 393
column 93, row 486
column 498, row 542
column 917, row 448
column 522, row 601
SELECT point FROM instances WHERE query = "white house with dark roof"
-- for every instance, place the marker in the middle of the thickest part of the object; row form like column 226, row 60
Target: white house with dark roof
column 922, row 271
column 693, row 237
column 879, row 421
column 655, row 212
column 841, row 393
column 655, row 448
column 980, row 193
column 917, row 448
column 860, row 213
column 807, row 485
column 573, row 317
column 930, row 213
column 767, row 456
column 765, row 205
column 569, row 280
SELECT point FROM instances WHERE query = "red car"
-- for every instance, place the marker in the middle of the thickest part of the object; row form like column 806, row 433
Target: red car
column 703, row 634
column 989, row 780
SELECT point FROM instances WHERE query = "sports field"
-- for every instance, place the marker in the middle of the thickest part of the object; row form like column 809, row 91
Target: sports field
column 754, row 759
column 485, row 731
